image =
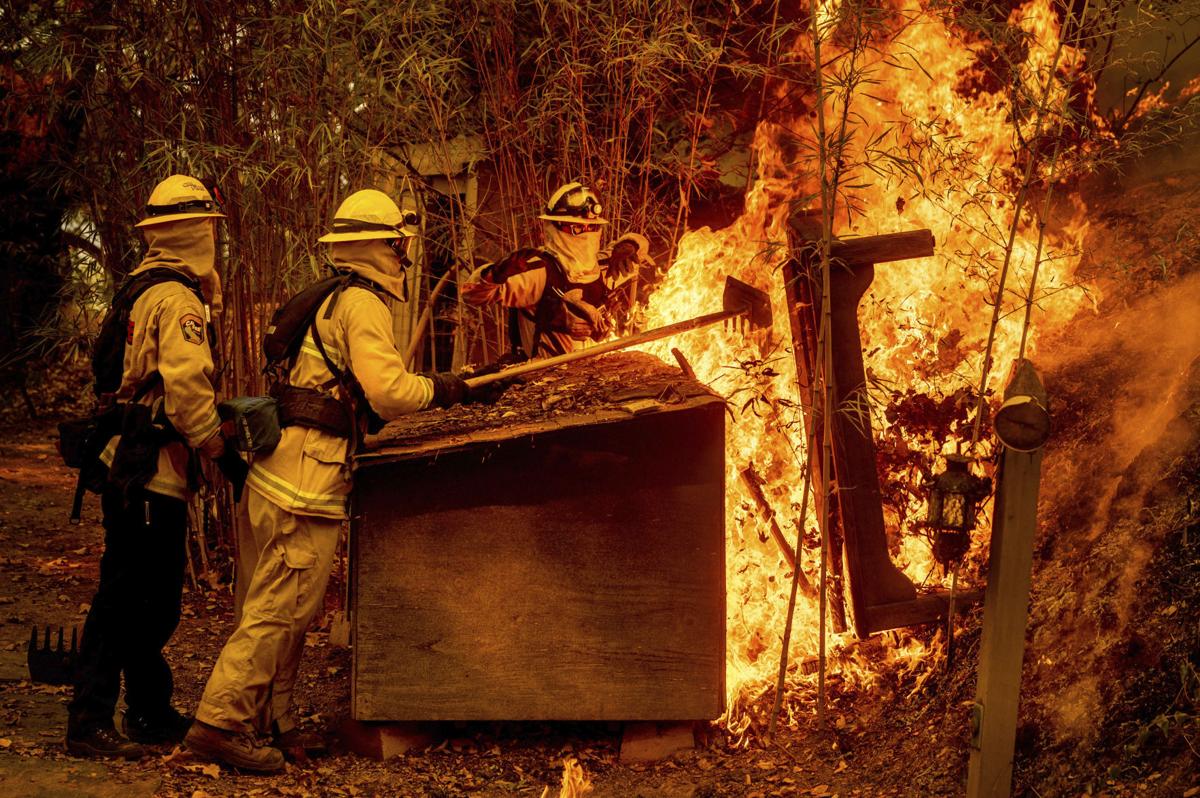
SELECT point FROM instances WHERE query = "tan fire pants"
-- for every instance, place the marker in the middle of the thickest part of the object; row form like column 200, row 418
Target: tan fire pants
column 251, row 685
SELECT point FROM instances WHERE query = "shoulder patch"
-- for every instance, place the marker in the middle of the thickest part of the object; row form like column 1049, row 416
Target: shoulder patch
column 193, row 328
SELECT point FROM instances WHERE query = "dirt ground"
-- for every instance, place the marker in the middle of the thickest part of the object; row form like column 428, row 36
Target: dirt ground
column 907, row 738
column 47, row 574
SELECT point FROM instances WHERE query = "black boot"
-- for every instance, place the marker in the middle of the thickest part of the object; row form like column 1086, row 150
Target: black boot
column 103, row 742
column 163, row 728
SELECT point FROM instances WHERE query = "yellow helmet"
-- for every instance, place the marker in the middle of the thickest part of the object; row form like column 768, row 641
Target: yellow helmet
column 573, row 202
column 180, row 197
column 370, row 214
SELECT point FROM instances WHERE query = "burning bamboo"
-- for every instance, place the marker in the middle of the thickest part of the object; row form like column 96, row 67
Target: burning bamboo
column 754, row 483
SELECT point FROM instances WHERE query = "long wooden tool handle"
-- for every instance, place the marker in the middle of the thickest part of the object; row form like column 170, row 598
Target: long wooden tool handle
column 604, row 348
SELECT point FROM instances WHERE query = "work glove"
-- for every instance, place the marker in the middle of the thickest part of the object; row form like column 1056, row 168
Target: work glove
column 584, row 320
column 233, row 467
column 213, row 446
column 488, row 394
column 449, row 389
column 625, row 259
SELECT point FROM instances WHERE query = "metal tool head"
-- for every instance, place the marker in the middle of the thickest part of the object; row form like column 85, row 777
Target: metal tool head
column 755, row 304
column 50, row 665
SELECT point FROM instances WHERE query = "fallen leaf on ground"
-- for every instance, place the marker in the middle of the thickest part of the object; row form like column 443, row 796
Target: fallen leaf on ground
column 211, row 770
column 176, row 753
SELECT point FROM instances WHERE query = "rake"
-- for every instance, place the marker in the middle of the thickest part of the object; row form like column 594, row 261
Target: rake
column 52, row 665
column 738, row 299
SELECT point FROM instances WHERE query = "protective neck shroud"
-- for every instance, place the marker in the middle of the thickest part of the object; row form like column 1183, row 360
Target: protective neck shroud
column 187, row 246
column 374, row 260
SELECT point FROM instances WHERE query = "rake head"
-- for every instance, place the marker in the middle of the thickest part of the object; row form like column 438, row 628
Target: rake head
column 52, row 665
column 753, row 303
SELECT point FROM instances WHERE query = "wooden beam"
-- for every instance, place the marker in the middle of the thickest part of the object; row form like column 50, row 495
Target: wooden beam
column 871, row 576
column 929, row 608
column 883, row 248
column 1006, row 604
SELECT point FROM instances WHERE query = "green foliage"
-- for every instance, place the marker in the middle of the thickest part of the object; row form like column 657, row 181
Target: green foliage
column 292, row 105
column 1180, row 721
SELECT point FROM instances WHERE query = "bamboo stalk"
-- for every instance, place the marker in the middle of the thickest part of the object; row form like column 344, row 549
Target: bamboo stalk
column 1014, row 227
column 791, row 610
column 828, row 198
column 418, row 333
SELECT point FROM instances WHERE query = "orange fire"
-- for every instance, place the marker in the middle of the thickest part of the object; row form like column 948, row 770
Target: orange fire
column 924, row 323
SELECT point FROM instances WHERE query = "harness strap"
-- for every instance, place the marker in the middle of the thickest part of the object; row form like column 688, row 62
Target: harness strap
column 548, row 305
column 347, row 389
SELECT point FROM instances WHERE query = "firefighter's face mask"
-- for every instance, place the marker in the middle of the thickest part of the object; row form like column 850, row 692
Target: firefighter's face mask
column 577, row 251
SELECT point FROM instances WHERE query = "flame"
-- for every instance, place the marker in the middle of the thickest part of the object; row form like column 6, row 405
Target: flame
column 575, row 783
column 924, row 323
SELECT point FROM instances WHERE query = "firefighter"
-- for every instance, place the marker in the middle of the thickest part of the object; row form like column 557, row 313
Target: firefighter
column 167, row 378
column 567, row 292
column 297, row 494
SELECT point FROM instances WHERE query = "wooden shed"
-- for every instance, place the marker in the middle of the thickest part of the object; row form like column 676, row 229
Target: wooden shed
column 559, row 555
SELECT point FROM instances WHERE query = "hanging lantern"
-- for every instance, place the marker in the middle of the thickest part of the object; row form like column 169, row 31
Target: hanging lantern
column 954, row 498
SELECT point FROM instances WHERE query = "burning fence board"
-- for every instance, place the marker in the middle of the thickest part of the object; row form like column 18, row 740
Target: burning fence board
column 559, row 555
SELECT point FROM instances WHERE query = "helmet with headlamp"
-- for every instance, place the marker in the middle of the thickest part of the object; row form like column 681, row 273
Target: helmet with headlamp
column 575, row 209
column 371, row 214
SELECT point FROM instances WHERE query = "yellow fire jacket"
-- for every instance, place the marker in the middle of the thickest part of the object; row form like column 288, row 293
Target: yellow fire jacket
column 525, row 289
column 169, row 335
column 305, row 473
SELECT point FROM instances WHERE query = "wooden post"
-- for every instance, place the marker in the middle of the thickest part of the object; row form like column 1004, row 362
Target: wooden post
column 1006, row 602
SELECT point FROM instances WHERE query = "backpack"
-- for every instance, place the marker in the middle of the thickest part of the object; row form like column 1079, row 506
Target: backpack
column 291, row 320
column 108, row 354
column 257, row 422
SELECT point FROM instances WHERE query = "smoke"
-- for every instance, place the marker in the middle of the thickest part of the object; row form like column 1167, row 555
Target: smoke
column 1120, row 382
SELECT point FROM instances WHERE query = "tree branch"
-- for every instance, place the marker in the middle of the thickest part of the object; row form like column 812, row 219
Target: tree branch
column 79, row 242
column 1121, row 124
